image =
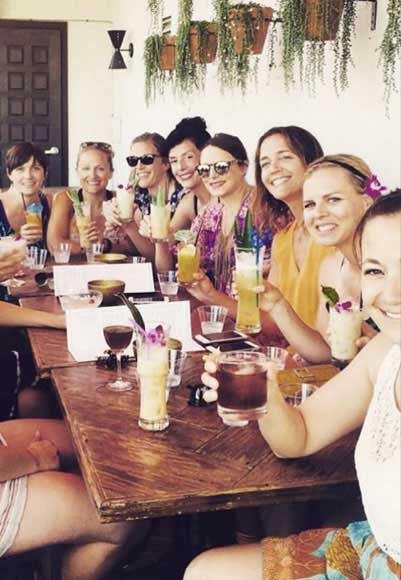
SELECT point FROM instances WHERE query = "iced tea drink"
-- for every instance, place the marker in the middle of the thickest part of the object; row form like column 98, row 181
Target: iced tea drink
column 242, row 377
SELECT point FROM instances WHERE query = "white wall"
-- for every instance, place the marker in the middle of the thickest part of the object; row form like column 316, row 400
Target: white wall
column 90, row 94
column 353, row 123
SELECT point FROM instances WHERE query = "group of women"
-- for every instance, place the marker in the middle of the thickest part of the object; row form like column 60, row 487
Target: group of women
column 324, row 223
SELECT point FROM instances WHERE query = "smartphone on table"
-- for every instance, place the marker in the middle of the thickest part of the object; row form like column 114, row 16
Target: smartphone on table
column 235, row 345
column 220, row 337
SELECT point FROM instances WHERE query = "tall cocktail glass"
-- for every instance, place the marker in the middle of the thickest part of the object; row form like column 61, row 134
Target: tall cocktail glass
column 152, row 371
column 83, row 220
column 248, row 274
column 125, row 201
column 188, row 257
column 242, row 377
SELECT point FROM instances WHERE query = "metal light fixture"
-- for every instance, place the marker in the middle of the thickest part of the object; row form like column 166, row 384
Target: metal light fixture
column 117, row 37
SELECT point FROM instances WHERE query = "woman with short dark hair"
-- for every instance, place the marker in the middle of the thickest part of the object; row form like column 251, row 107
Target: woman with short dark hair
column 26, row 166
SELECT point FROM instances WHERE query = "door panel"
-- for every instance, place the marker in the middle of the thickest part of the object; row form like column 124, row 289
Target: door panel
column 33, row 92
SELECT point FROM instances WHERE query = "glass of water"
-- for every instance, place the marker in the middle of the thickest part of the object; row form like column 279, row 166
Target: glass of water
column 212, row 318
column 168, row 282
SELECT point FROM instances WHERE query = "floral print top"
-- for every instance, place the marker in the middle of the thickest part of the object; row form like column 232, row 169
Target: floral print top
column 142, row 198
column 207, row 227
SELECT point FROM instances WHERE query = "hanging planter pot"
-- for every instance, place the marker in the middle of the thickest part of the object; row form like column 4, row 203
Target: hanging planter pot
column 322, row 19
column 203, row 42
column 167, row 57
column 249, row 26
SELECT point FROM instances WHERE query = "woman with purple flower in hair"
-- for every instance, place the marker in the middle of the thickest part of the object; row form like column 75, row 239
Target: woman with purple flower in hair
column 337, row 191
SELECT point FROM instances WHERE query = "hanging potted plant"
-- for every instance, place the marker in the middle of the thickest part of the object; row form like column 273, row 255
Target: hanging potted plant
column 240, row 28
column 390, row 49
column 249, row 24
column 189, row 76
column 159, row 58
column 203, row 41
column 307, row 28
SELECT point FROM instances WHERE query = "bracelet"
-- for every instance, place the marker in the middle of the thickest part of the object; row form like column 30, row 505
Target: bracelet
column 107, row 245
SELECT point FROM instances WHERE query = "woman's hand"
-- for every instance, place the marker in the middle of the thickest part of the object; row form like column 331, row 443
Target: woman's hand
column 10, row 264
column 202, row 288
column 269, row 296
column 208, row 379
column 144, row 227
column 31, row 233
column 367, row 334
column 92, row 233
column 45, row 453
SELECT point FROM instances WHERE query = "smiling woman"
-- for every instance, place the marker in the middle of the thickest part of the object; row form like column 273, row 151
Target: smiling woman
column 26, row 166
column 94, row 169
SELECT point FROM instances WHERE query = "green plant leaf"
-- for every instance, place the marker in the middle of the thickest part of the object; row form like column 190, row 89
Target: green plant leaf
column 331, row 294
column 136, row 315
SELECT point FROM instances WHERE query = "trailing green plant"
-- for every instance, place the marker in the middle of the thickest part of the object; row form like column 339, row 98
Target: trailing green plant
column 292, row 14
column 390, row 49
column 155, row 78
column 188, row 75
column 343, row 46
column 155, row 8
column 305, row 49
column 235, row 69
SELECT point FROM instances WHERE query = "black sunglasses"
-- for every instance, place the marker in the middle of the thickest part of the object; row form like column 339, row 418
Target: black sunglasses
column 147, row 159
column 221, row 167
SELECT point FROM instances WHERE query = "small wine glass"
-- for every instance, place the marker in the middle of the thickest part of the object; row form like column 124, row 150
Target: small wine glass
column 118, row 338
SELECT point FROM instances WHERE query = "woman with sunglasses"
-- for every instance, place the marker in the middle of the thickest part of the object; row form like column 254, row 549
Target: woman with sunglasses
column 94, row 169
column 150, row 172
column 282, row 156
column 26, row 166
column 223, row 167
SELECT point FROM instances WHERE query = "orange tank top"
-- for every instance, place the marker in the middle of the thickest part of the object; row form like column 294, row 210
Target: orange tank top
column 299, row 287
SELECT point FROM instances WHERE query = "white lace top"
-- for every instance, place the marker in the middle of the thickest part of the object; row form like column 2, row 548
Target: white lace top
column 377, row 459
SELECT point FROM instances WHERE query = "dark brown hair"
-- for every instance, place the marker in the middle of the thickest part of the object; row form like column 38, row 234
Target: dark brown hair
column 229, row 143
column 191, row 128
column 305, row 146
column 20, row 153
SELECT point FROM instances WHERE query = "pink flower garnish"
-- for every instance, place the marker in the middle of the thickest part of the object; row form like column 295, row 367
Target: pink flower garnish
column 343, row 306
column 374, row 188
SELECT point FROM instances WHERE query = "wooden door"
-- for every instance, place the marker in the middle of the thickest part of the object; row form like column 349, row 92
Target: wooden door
column 33, row 92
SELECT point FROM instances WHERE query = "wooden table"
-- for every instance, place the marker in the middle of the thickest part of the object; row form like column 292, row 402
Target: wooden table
column 197, row 464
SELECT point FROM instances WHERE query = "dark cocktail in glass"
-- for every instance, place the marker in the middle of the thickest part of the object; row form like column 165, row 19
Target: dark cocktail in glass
column 242, row 377
column 118, row 337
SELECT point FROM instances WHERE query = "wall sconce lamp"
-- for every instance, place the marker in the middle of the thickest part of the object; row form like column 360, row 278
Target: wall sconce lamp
column 117, row 37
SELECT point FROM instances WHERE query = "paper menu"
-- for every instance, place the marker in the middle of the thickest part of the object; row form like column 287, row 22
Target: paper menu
column 73, row 279
column 85, row 338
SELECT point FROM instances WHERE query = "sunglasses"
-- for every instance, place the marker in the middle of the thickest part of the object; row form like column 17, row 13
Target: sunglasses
column 221, row 167
column 147, row 159
column 96, row 145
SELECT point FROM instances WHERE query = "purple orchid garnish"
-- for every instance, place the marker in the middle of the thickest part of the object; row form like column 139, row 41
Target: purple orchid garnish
column 374, row 189
column 153, row 337
column 344, row 306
